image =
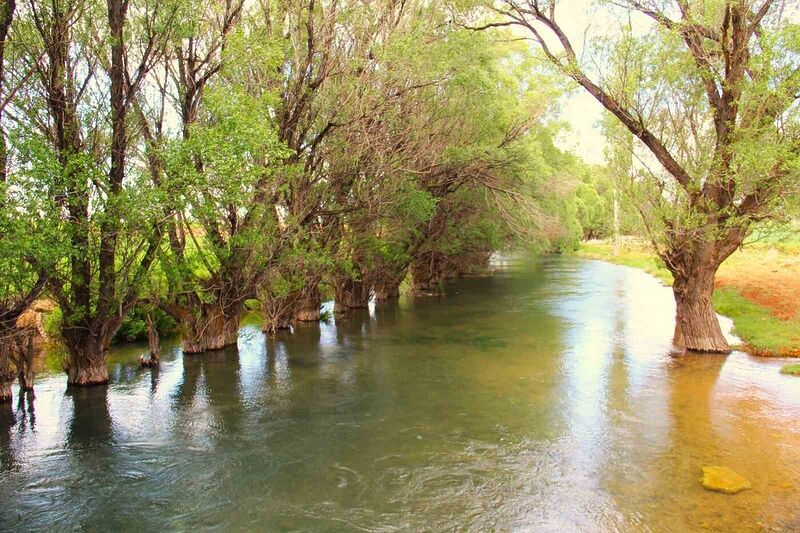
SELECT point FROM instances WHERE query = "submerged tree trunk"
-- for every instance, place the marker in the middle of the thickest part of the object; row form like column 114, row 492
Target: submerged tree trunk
column 25, row 374
column 309, row 304
column 274, row 324
column 153, row 343
column 212, row 330
column 88, row 356
column 427, row 273
column 350, row 294
column 697, row 328
column 278, row 312
column 387, row 286
column 7, row 350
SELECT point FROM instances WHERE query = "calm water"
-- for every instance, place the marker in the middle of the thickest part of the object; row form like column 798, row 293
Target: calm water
column 543, row 398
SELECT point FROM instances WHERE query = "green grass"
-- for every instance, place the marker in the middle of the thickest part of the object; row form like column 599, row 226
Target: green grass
column 754, row 324
column 632, row 257
column 793, row 370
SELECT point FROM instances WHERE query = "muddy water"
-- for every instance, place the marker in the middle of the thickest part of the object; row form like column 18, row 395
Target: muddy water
column 542, row 398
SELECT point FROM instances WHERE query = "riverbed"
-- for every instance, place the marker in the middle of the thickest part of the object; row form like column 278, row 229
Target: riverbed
column 545, row 397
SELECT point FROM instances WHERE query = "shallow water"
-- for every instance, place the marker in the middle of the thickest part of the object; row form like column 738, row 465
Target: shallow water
column 541, row 398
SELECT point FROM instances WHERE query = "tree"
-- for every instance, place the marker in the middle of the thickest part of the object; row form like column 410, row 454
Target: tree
column 88, row 63
column 218, row 168
column 710, row 90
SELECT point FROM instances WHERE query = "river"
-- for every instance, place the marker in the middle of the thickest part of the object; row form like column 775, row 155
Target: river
column 544, row 397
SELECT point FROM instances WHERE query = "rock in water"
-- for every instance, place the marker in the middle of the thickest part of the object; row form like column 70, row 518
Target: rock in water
column 723, row 479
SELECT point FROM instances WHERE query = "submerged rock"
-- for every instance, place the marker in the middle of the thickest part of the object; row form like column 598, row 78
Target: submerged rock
column 723, row 479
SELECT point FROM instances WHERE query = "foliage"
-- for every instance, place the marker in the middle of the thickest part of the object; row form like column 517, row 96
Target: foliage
column 134, row 326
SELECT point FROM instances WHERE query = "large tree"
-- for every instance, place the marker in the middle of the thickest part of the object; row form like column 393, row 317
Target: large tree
column 710, row 89
column 216, row 165
column 88, row 62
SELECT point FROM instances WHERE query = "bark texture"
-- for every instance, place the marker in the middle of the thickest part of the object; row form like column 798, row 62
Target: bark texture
column 427, row 273
column 213, row 330
column 350, row 294
column 5, row 390
column 7, row 352
column 88, row 355
column 153, row 344
column 278, row 312
column 697, row 328
column 309, row 305
column 387, row 286
column 207, row 326
column 26, row 349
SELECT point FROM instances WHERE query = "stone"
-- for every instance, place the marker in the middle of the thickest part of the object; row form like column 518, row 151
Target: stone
column 723, row 479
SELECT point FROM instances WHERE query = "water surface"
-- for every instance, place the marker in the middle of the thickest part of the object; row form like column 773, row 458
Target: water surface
column 541, row 398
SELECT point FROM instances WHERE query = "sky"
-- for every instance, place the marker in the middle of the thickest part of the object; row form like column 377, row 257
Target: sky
column 579, row 109
column 584, row 138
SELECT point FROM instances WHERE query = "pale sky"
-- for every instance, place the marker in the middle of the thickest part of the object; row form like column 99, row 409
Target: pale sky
column 584, row 138
column 580, row 18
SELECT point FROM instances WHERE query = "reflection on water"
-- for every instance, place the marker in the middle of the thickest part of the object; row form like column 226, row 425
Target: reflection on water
column 543, row 397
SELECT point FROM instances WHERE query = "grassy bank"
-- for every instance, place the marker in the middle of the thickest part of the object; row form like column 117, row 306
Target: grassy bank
column 755, row 288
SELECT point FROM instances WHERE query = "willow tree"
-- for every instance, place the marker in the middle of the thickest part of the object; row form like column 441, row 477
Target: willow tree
column 328, row 52
column 476, row 155
column 710, row 90
column 87, row 62
column 217, row 167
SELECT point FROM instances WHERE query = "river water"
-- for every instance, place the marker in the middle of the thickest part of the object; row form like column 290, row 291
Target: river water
column 541, row 398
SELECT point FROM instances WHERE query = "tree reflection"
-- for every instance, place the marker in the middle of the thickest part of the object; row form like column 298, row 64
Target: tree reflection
column 351, row 330
column 221, row 370
column 387, row 313
column 208, row 400
column 8, row 421
column 91, row 423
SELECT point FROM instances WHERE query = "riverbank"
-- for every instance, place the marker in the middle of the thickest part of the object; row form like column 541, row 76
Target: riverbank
column 758, row 287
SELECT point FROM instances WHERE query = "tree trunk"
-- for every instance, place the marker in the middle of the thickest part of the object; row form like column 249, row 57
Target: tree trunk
column 350, row 294
column 7, row 352
column 88, row 356
column 388, row 287
column 153, row 344
column 25, row 371
column 427, row 274
column 278, row 316
column 214, row 330
column 278, row 311
column 309, row 305
column 5, row 389
column 272, row 325
column 696, row 325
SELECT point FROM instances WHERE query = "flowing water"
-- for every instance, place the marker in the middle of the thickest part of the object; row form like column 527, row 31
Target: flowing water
column 541, row 398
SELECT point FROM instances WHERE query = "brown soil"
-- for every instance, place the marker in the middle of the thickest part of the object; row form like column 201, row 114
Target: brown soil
column 766, row 277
